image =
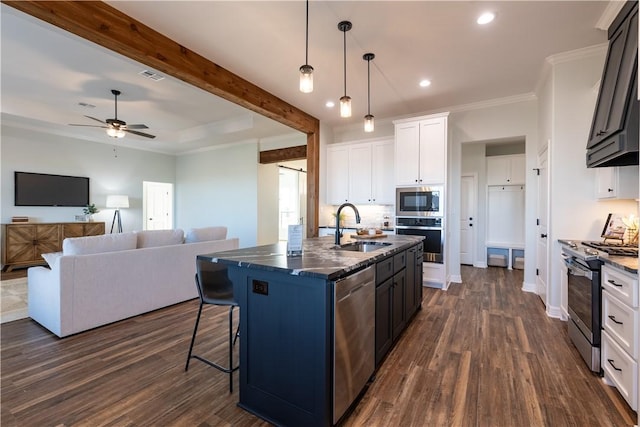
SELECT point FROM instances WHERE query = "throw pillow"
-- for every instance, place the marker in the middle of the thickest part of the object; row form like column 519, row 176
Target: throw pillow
column 99, row 244
column 51, row 258
column 205, row 234
column 153, row 238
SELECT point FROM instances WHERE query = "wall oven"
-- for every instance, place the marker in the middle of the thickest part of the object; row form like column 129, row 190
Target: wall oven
column 430, row 228
column 419, row 201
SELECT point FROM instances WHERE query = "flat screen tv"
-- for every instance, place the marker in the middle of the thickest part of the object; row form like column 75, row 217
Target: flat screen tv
column 38, row 189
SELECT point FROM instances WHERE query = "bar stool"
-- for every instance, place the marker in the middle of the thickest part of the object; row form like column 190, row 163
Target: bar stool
column 214, row 287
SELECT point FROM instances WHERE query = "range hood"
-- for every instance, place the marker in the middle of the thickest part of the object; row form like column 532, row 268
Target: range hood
column 613, row 140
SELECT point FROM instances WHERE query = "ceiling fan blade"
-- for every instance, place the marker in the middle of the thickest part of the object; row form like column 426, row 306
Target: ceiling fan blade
column 89, row 126
column 137, row 126
column 146, row 135
column 97, row 120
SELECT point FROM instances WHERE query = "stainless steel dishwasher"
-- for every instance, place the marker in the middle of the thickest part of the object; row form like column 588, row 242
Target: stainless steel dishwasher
column 353, row 337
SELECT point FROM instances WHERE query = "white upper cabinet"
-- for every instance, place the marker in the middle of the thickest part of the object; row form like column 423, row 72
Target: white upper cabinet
column 361, row 173
column 421, row 147
column 506, row 170
column 337, row 175
column 617, row 182
column 382, row 187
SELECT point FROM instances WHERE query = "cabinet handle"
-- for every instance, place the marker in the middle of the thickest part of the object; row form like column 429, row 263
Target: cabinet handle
column 613, row 282
column 544, row 236
column 614, row 366
column 613, row 318
column 610, row 190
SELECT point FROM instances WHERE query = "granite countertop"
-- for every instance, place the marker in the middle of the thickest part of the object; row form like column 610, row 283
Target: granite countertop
column 318, row 258
column 350, row 227
column 626, row 263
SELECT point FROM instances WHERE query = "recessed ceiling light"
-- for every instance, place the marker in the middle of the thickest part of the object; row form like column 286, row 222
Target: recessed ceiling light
column 330, row 104
column 485, row 18
column 425, row 83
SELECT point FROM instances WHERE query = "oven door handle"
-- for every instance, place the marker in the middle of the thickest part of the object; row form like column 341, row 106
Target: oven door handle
column 417, row 227
column 577, row 270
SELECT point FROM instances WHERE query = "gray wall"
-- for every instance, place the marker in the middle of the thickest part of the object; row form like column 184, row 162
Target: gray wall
column 32, row 151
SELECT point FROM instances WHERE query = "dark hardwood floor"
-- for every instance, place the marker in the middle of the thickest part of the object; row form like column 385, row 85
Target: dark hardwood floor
column 482, row 353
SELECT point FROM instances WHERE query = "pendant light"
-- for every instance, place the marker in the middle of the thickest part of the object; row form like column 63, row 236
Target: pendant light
column 368, row 119
column 345, row 101
column 306, row 71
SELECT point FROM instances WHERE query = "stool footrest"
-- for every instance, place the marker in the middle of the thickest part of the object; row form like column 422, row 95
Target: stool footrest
column 215, row 365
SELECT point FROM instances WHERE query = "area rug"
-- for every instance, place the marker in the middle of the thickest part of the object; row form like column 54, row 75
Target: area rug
column 13, row 299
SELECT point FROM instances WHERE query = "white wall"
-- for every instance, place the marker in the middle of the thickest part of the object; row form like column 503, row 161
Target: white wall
column 507, row 121
column 220, row 187
column 32, row 151
column 569, row 94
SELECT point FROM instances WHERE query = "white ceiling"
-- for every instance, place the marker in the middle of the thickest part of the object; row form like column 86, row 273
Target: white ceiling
column 46, row 72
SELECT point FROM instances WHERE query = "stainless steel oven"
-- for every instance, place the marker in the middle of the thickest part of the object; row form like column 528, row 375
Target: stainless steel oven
column 584, row 305
column 431, row 229
column 419, row 201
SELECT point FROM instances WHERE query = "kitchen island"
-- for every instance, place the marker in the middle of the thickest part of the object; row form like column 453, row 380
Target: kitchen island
column 312, row 327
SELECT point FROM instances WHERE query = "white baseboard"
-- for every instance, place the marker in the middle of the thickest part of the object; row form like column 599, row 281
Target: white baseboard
column 455, row 278
column 529, row 287
column 480, row 264
column 554, row 312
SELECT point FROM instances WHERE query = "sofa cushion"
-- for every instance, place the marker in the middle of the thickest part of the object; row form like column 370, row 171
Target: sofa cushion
column 153, row 238
column 205, row 234
column 99, row 244
column 51, row 258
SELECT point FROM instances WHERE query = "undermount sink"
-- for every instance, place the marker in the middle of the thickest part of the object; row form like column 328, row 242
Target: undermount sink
column 361, row 246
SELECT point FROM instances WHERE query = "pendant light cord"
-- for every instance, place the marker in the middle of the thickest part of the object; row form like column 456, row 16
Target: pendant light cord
column 306, row 50
column 344, row 50
column 368, row 87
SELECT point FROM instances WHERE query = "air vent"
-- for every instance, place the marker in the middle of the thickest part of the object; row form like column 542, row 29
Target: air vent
column 85, row 105
column 151, row 75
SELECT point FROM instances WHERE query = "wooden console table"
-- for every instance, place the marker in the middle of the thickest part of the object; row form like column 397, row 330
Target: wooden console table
column 24, row 243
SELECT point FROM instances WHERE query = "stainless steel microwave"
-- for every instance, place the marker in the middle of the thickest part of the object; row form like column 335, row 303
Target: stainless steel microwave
column 419, row 201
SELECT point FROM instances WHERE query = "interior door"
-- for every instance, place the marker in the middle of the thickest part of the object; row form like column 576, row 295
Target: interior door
column 467, row 218
column 542, row 247
column 157, row 206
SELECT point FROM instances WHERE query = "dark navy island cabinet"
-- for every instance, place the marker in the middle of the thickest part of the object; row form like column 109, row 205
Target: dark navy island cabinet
column 287, row 321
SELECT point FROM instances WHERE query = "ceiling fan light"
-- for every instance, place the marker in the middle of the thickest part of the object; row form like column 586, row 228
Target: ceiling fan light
column 306, row 79
column 345, row 106
column 369, row 125
column 115, row 133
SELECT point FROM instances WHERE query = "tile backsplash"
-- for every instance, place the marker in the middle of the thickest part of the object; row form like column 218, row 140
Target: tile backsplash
column 370, row 216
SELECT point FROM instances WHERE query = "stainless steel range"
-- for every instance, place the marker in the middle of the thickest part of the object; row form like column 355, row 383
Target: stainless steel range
column 583, row 263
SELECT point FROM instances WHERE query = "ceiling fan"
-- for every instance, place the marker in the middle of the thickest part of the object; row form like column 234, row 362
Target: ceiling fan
column 115, row 127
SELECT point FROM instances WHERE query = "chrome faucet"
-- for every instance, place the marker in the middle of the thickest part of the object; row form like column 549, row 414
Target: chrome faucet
column 338, row 234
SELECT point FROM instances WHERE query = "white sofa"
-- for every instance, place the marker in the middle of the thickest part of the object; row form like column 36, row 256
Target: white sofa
column 102, row 279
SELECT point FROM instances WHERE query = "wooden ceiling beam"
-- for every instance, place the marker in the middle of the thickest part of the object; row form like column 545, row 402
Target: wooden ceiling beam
column 108, row 27
column 283, row 154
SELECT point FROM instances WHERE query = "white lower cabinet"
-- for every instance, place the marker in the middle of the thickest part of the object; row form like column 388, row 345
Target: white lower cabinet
column 620, row 369
column 620, row 331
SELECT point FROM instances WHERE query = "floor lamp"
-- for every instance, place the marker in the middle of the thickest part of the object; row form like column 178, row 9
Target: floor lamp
column 118, row 202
